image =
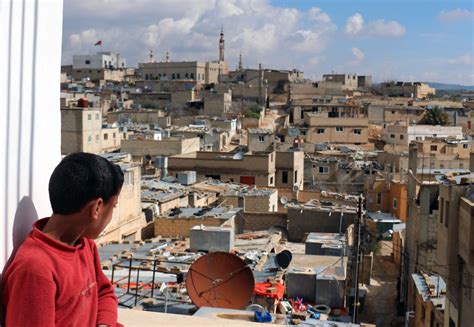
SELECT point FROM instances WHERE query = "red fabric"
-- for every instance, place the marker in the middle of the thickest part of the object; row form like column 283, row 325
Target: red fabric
column 261, row 289
column 50, row 283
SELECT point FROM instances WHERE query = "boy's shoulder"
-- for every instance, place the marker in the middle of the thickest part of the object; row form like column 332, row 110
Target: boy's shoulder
column 32, row 257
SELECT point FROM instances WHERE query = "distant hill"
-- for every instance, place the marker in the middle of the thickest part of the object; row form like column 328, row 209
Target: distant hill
column 450, row 87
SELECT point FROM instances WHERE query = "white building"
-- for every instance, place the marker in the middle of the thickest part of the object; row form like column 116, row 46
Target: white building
column 402, row 135
column 101, row 60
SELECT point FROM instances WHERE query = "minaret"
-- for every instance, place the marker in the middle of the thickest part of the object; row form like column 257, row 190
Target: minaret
column 241, row 66
column 221, row 45
column 167, row 56
column 151, row 55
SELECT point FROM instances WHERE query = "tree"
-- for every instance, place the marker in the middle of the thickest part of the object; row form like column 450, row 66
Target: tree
column 437, row 116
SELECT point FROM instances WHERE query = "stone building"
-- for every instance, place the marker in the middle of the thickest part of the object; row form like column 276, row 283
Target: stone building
column 260, row 139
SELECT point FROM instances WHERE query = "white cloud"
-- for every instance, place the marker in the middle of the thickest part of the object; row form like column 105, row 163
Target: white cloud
column 189, row 30
column 464, row 59
column 355, row 24
column 358, row 54
column 455, row 15
column 355, row 27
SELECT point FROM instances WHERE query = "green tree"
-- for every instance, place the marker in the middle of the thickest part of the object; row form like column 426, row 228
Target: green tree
column 437, row 116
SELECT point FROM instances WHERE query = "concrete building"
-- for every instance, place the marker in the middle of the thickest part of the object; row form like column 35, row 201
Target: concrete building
column 404, row 114
column 455, row 250
column 180, row 221
column 416, row 90
column 100, row 60
column 169, row 146
column 430, row 300
column 349, row 81
column 251, row 169
column 82, row 131
column 387, row 196
column 206, row 72
column 211, row 139
column 217, row 104
column 260, row 139
column 336, row 130
column 289, row 170
column 400, row 136
column 322, row 217
column 251, row 200
column 127, row 219
column 155, row 117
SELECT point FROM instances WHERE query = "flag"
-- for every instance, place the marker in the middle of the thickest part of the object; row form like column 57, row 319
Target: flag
column 98, row 43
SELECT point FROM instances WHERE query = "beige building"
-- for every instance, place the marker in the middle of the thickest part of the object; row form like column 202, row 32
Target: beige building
column 455, row 249
column 251, row 200
column 157, row 117
column 127, row 219
column 289, row 169
column 400, row 136
column 407, row 89
column 251, row 169
column 82, row 131
column 206, row 72
column 217, row 104
column 336, row 130
column 170, row 146
column 96, row 75
column 260, row 139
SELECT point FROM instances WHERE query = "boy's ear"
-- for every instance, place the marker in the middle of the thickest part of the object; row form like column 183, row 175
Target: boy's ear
column 96, row 207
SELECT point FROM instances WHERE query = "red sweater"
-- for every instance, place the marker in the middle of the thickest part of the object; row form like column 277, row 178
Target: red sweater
column 50, row 283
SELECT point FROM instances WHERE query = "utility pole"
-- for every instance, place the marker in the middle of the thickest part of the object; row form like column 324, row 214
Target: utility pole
column 357, row 254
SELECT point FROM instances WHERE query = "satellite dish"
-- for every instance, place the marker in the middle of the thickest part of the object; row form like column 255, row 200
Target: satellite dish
column 220, row 280
column 284, row 200
column 296, row 188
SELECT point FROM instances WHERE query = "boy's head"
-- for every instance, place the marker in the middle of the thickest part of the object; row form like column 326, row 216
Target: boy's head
column 87, row 184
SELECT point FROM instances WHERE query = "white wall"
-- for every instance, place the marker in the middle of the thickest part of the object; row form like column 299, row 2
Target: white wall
column 30, row 131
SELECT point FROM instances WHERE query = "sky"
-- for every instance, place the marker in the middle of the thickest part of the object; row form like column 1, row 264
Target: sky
column 409, row 40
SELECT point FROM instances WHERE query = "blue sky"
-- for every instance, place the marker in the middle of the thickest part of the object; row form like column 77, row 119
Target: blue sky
column 405, row 40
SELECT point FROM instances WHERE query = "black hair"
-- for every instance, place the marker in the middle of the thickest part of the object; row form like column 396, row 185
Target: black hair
column 82, row 177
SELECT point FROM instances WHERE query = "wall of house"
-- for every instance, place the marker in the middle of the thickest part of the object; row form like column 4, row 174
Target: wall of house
column 30, row 141
column 166, row 227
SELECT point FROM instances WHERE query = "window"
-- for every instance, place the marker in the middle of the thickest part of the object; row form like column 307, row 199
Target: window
column 105, row 63
column 186, row 75
column 89, row 139
column 395, row 203
column 192, row 75
column 296, row 176
column 339, row 129
column 434, row 148
column 172, row 76
column 284, row 177
column 178, row 75
column 146, row 76
column 261, row 138
column 402, row 137
column 113, row 135
column 419, row 138
column 128, row 178
column 271, row 180
column 89, row 117
column 464, row 146
column 461, row 166
column 378, row 200
column 324, row 170
column 106, row 137
column 357, row 131
column 199, row 76
column 87, row 62
column 320, row 131
column 392, row 136
column 97, row 117
column 97, row 139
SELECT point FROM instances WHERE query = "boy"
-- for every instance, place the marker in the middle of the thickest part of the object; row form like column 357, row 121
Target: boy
column 56, row 278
